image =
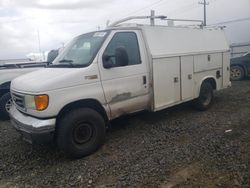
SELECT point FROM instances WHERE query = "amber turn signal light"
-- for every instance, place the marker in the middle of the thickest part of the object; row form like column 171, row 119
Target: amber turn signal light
column 42, row 102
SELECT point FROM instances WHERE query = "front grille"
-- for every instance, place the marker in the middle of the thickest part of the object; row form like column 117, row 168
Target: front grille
column 18, row 100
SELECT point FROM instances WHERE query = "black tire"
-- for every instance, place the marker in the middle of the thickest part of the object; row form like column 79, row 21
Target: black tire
column 80, row 132
column 206, row 96
column 5, row 102
column 237, row 73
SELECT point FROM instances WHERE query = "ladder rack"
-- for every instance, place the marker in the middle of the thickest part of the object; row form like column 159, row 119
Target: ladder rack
column 152, row 18
column 135, row 18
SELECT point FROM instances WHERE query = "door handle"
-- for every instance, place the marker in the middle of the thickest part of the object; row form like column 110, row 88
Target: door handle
column 91, row 77
column 144, row 78
column 176, row 79
column 218, row 75
column 190, row 76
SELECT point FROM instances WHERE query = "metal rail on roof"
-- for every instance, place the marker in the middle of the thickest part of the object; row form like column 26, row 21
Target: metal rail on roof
column 135, row 18
column 152, row 18
column 184, row 20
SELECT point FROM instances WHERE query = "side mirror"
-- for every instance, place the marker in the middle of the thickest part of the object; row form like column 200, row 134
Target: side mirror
column 107, row 63
column 121, row 56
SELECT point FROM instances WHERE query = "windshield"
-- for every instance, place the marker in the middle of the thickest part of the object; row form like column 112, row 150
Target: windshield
column 81, row 51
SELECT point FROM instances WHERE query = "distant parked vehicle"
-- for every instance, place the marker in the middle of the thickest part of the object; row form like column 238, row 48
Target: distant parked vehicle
column 8, row 72
column 240, row 67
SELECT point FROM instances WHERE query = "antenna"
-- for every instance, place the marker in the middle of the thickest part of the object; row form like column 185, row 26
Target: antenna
column 39, row 44
column 152, row 20
column 107, row 23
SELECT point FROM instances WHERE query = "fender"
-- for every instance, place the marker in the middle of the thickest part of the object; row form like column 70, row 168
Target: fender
column 4, row 88
column 89, row 103
column 210, row 78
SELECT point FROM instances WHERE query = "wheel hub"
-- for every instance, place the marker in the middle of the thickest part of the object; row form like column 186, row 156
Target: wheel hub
column 8, row 105
column 82, row 133
column 235, row 73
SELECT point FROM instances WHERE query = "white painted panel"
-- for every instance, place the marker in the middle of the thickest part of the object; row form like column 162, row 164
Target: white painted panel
column 187, row 80
column 124, row 87
column 201, row 76
column 175, row 41
column 202, row 62
column 166, row 91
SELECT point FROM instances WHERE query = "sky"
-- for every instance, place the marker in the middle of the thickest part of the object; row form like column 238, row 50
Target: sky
column 56, row 22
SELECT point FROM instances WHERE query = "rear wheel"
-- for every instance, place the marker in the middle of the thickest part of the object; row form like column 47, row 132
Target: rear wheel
column 5, row 104
column 80, row 132
column 205, row 99
column 236, row 73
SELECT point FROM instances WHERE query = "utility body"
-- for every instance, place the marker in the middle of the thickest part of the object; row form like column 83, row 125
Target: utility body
column 124, row 69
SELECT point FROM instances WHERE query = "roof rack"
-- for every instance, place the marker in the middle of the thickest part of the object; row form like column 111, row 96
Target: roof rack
column 152, row 18
column 137, row 17
column 185, row 20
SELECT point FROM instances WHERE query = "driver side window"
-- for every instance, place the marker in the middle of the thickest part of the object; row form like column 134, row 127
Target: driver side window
column 127, row 41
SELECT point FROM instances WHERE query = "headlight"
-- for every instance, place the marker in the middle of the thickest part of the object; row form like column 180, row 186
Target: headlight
column 37, row 102
column 30, row 102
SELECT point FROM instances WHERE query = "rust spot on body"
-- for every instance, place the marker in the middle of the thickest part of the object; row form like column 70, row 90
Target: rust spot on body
column 121, row 97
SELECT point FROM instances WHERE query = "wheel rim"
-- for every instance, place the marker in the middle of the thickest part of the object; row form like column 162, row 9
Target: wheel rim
column 206, row 97
column 8, row 105
column 82, row 133
column 235, row 73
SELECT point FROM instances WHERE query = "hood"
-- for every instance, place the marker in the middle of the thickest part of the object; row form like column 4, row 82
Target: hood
column 49, row 79
column 236, row 60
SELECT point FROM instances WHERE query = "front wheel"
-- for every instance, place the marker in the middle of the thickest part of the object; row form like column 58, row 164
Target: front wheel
column 5, row 104
column 80, row 132
column 206, row 96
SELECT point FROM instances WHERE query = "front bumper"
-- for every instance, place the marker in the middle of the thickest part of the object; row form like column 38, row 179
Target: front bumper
column 32, row 129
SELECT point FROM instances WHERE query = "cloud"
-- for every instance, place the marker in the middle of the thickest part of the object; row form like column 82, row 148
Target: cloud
column 14, row 42
column 58, row 21
column 61, row 4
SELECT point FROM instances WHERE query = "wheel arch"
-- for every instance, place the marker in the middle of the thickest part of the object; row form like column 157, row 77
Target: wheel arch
column 87, row 103
column 211, row 80
column 4, row 88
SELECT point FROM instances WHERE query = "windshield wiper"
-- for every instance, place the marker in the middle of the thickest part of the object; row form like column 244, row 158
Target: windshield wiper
column 63, row 63
column 67, row 63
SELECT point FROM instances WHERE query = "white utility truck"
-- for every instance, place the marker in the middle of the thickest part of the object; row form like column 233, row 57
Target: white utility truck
column 9, row 71
column 124, row 69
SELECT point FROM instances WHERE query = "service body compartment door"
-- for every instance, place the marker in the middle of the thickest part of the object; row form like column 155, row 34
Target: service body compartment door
column 187, row 81
column 166, row 79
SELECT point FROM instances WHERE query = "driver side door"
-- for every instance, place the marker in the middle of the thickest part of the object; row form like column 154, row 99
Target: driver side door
column 125, row 86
